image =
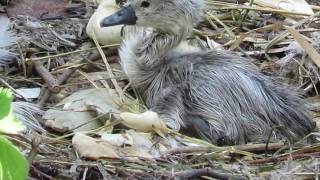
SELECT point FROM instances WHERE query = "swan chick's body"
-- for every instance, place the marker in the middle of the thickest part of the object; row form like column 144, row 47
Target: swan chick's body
column 219, row 96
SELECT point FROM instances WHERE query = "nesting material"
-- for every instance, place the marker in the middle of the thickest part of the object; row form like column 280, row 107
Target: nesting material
column 76, row 114
column 107, row 35
column 97, row 149
column 62, row 45
column 28, row 114
column 29, row 93
column 298, row 6
column 100, row 149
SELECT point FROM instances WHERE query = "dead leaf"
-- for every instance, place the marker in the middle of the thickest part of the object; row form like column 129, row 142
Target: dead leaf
column 77, row 115
column 93, row 149
column 64, row 121
column 100, row 149
column 105, row 100
column 137, row 140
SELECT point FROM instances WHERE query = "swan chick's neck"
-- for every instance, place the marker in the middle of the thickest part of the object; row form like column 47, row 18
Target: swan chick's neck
column 145, row 48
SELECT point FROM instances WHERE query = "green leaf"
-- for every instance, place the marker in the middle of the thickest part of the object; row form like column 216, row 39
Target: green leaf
column 13, row 165
column 5, row 101
column 8, row 122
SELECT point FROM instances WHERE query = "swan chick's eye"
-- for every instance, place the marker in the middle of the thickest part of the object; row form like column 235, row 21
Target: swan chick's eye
column 145, row 4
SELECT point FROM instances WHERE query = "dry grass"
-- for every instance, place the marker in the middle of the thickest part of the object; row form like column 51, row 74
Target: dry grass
column 281, row 43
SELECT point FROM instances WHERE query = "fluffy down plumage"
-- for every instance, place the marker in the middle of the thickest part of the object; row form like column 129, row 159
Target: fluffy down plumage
column 6, row 40
column 218, row 95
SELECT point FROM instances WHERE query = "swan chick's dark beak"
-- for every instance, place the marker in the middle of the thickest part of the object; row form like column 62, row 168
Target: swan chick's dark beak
column 125, row 15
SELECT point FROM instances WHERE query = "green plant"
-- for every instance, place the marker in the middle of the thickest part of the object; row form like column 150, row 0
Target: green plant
column 13, row 165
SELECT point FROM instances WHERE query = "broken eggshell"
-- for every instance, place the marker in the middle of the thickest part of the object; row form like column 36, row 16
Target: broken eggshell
column 104, row 35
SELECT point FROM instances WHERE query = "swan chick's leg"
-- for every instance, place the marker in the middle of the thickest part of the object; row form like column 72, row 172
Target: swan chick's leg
column 170, row 107
column 146, row 121
column 166, row 111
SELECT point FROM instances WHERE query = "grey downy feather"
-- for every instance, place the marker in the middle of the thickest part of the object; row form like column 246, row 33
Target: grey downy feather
column 29, row 113
column 222, row 97
column 7, row 39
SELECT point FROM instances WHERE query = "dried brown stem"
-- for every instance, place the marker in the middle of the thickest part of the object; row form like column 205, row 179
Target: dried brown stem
column 283, row 158
column 60, row 80
column 246, row 147
column 35, row 147
column 40, row 173
column 52, row 82
column 196, row 173
column 259, row 147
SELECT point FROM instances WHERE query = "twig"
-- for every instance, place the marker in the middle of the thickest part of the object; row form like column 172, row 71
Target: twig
column 84, row 175
column 259, row 147
column 23, row 60
column 69, row 53
column 188, row 150
column 104, row 58
column 35, row 147
column 85, row 75
column 12, row 89
column 40, row 173
column 283, row 158
column 52, row 82
column 18, row 139
column 103, row 171
column 231, row 34
column 247, row 147
column 285, row 33
column 233, row 1
column 60, row 80
column 196, row 173
column 130, row 174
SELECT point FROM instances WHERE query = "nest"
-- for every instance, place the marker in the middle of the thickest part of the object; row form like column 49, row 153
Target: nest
column 55, row 54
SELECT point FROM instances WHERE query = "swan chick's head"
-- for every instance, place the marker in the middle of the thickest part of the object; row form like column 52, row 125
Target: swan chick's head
column 168, row 16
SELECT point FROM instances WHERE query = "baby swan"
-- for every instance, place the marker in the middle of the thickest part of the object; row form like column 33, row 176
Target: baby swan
column 220, row 96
